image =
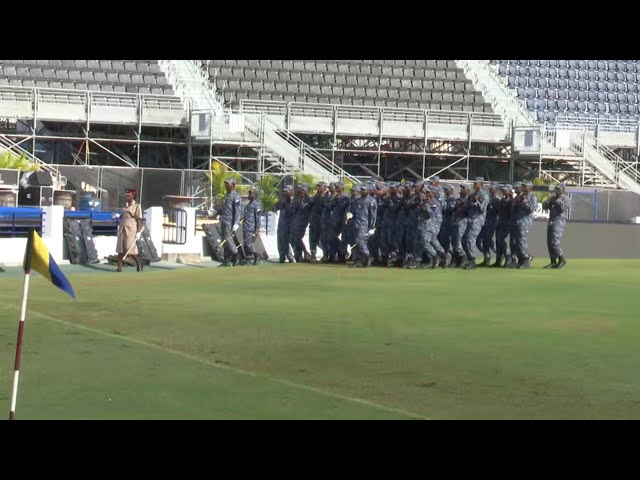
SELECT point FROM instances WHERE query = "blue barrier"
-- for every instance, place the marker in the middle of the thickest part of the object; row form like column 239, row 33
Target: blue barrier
column 102, row 223
column 17, row 221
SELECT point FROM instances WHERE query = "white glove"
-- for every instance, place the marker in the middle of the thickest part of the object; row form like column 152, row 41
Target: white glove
column 349, row 216
column 236, row 226
column 372, row 231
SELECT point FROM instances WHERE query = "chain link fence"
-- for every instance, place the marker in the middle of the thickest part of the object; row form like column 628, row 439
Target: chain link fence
column 155, row 186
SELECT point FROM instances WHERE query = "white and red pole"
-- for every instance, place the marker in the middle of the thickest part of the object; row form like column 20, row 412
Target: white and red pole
column 23, row 312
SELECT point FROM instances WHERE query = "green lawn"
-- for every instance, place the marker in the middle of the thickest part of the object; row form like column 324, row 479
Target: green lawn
column 327, row 342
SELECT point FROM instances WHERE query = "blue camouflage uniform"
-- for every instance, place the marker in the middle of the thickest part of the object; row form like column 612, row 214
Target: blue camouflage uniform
column 388, row 235
column 459, row 226
column 250, row 226
column 485, row 239
column 301, row 217
column 318, row 203
column 446, row 229
column 525, row 205
column 285, row 219
column 558, row 209
column 364, row 220
column 477, row 202
column 504, row 225
column 230, row 216
column 339, row 208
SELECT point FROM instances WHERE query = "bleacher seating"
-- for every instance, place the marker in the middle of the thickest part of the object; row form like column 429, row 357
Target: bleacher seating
column 577, row 89
column 122, row 76
column 425, row 84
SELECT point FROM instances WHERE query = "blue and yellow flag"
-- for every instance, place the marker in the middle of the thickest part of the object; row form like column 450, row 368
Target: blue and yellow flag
column 39, row 259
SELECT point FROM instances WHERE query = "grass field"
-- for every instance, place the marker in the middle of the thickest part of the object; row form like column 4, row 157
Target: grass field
column 327, row 342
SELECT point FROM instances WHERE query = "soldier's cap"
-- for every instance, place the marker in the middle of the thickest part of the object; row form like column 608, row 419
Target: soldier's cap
column 339, row 184
column 465, row 185
column 518, row 184
column 304, row 186
column 447, row 186
column 321, row 184
column 418, row 183
column 372, row 186
column 527, row 184
column 133, row 191
column 478, row 180
column 435, row 179
column 287, row 188
column 560, row 186
column 507, row 186
column 494, row 185
column 333, row 184
column 433, row 189
column 393, row 184
column 406, row 185
column 362, row 187
column 230, row 181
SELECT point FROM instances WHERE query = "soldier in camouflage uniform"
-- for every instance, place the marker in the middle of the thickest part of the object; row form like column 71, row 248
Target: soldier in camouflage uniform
column 325, row 224
column 485, row 239
column 339, row 208
column 525, row 205
column 429, row 214
column 375, row 193
column 401, row 222
column 364, row 224
column 388, row 234
column 411, row 225
column 513, row 231
column 558, row 207
column 315, row 222
column 348, row 234
column 476, row 213
column 459, row 225
column 504, row 225
column 285, row 219
column 448, row 208
column 229, row 218
column 301, row 215
column 251, row 226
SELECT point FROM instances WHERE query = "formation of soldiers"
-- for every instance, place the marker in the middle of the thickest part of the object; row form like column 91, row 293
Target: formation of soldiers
column 417, row 224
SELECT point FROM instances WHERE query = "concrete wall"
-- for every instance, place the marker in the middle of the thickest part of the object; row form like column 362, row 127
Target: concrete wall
column 589, row 240
column 580, row 240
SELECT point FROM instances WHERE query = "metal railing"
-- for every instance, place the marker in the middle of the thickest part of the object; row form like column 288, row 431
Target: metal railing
column 191, row 83
column 71, row 105
column 354, row 112
column 297, row 154
column 174, row 226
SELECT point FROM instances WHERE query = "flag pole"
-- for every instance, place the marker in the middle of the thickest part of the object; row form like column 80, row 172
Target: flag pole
column 23, row 311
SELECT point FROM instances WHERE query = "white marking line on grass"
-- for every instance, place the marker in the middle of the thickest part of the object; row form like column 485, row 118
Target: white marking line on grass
column 235, row 369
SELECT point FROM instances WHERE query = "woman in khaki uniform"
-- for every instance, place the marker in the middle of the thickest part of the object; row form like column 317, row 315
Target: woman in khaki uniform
column 131, row 224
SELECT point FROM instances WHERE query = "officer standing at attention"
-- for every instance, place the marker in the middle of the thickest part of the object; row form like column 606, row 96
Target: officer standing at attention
column 558, row 207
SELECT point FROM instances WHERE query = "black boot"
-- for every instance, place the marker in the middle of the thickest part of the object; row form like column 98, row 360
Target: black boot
column 234, row 260
column 562, row 262
column 471, row 264
column 256, row 259
column 514, row 262
column 552, row 264
column 498, row 263
column 443, row 261
column 434, row 262
column 282, row 259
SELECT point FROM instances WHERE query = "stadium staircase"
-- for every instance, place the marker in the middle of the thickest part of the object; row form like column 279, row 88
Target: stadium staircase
column 279, row 148
column 595, row 163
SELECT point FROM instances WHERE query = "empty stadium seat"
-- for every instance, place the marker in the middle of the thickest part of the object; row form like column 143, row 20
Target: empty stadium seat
column 603, row 88
column 355, row 82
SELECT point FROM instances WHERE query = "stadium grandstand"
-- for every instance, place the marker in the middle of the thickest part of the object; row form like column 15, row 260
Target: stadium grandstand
column 568, row 120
